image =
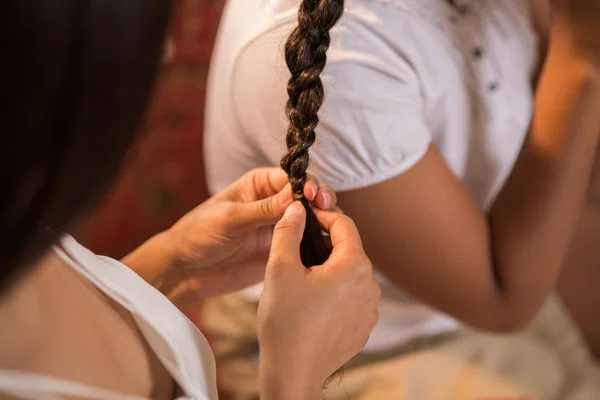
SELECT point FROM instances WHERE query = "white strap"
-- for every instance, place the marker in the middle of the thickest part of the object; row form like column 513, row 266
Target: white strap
column 39, row 387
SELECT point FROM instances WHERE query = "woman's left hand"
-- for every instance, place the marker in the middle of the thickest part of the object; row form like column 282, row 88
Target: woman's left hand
column 222, row 245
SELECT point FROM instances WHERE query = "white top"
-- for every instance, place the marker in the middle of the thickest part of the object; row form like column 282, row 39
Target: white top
column 401, row 74
column 174, row 338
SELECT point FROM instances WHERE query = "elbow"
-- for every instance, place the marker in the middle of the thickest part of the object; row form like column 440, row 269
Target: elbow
column 509, row 325
column 505, row 320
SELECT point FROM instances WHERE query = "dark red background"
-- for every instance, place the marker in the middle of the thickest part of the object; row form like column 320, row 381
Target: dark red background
column 165, row 177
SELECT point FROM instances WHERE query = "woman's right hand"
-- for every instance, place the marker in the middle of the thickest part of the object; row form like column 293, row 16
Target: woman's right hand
column 312, row 321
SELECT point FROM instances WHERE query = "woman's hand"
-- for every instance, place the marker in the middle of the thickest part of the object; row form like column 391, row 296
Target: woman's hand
column 311, row 322
column 222, row 245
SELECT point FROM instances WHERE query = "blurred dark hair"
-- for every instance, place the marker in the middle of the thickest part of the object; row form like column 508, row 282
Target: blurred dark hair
column 76, row 76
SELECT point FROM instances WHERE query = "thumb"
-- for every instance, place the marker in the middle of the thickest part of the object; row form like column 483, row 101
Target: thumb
column 263, row 212
column 285, row 247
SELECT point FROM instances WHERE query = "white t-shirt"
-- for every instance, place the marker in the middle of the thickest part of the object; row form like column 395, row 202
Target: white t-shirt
column 401, row 75
column 177, row 342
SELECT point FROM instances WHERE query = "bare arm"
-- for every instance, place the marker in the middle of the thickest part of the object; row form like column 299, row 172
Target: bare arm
column 578, row 282
column 542, row 16
column 424, row 231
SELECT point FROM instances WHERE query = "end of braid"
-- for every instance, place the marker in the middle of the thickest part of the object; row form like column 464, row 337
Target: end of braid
column 305, row 55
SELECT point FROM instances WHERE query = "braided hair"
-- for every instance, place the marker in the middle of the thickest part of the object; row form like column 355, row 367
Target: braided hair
column 305, row 55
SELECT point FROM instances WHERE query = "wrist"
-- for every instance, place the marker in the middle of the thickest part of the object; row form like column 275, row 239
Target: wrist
column 285, row 379
column 154, row 261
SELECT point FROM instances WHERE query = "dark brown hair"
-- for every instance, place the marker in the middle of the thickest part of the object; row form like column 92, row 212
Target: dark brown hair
column 305, row 55
column 76, row 77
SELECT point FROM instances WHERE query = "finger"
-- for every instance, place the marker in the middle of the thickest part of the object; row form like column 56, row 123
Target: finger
column 338, row 210
column 287, row 235
column 256, row 184
column 311, row 187
column 323, row 196
column 268, row 181
column 326, row 198
column 262, row 212
column 341, row 229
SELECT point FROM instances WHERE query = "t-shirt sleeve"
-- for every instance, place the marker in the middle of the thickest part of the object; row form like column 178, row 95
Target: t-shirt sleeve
column 372, row 125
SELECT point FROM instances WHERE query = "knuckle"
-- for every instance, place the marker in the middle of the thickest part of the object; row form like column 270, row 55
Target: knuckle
column 366, row 262
column 364, row 340
column 260, row 172
column 346, row 221
column 252, row 176
column 274, row 258
column 258, row 177
column 266, row 208
column 364, row 277
column 376, row 297
column 338, row 210
column 350, row 230
column 284, row 225
column 363, row 265
column 377, row 292
column 375, row 318
column 274, row 266
column 336, row 221
column 357, row 266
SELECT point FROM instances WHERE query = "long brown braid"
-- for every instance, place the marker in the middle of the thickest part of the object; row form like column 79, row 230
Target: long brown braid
column 305, row 55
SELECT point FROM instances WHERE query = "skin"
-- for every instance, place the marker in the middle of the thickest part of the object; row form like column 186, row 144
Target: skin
column 494, row 271
column 330, row 287
column 222, row 245
column 577, row 284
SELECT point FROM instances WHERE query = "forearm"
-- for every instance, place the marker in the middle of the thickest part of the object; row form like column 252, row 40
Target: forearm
column 153, row 261
column 185, row 281
column 535, row 215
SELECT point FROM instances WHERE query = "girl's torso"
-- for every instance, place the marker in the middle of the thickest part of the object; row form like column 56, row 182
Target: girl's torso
column 401, row 75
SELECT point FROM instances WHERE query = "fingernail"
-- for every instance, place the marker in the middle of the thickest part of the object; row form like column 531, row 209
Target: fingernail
column 285, row 195
column 326, row 200
column 293, row 209
column 312, row 191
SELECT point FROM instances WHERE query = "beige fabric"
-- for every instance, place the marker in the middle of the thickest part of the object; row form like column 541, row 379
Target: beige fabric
column 549, row 361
